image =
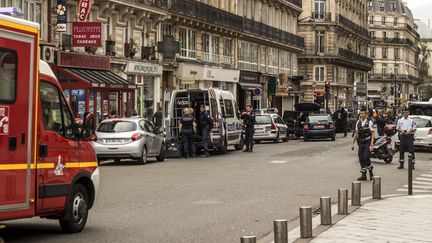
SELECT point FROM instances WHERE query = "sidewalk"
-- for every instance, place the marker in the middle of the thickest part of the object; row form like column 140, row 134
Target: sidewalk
column 395, row 219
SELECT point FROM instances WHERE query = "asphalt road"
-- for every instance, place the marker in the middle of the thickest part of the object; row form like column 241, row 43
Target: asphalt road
column 217, row 199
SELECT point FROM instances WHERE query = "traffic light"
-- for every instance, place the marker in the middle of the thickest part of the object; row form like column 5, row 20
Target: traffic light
column 327, row 86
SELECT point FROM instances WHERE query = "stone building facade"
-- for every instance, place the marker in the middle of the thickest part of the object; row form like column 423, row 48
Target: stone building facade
column 336, row 46
column 395, row 52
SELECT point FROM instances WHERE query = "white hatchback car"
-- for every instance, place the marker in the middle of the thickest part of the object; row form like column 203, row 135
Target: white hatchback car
column 423, row 135
column 270, row 127
column 128, row 138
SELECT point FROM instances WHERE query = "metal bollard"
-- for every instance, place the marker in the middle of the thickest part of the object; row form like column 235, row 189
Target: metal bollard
column 343, row 201
column 376, row 187
column 248, row 239
column 356, row 193
column 325, row 208
column 410, row 170
column 306, row 222
column 280, row 231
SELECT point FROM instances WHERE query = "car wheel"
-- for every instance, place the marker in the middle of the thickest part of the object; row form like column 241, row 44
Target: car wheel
column 305, row 139
column 257, row 141
column 75, row 216
column 240, row 145
column 143, row 159
column 333, row 138
column 161, row 156
column 286, row 139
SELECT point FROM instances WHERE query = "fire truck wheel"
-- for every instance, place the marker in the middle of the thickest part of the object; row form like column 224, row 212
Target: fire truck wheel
column 75, row 217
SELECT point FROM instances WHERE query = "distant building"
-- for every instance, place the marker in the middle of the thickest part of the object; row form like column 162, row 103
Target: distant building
column 426, row 39
column 336, row 48
column 395, row 52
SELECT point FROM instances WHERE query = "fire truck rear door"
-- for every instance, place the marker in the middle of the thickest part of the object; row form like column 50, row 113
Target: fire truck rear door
column 17, row 76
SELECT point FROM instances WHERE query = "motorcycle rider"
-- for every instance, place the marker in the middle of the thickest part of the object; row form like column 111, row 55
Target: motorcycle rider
column 406, row 127
column 364, row 136
column 249, row 122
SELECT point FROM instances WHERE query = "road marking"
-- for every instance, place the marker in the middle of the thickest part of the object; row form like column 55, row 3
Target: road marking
column 208, row 202
column 424, row 179
column 406, row 190
column 278, row 161
column 421, row 184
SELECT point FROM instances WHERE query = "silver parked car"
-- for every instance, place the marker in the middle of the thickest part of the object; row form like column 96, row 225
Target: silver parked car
column 128, row 138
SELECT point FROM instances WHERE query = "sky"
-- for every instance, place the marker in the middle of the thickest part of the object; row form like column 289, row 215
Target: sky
column 421, row 9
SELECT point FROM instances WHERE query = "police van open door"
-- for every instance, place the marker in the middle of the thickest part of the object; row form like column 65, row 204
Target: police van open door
column 18, row 53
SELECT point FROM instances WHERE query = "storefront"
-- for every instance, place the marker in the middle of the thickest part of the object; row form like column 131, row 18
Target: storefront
column 248, row 85
column 189, row 76
column 225, row 79
column 147, row 77
column 90, row 86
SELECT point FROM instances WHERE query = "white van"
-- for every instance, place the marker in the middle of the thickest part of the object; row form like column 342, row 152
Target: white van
column 222, row 107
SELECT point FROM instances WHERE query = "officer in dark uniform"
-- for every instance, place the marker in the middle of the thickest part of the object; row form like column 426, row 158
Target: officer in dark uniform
column 187, row 127
column 205, row 123
column 364, row 136
column 249, row 122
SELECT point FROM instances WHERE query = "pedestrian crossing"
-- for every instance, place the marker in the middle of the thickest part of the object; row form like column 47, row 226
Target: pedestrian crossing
column 421, row 184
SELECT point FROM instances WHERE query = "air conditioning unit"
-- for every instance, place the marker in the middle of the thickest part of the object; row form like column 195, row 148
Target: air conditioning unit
column 48, row 53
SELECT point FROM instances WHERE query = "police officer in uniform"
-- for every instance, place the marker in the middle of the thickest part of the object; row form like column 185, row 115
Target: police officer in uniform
column 187, row 127
column 364, row 136
column 205, row 123
column 249, row 122
column 406, row 127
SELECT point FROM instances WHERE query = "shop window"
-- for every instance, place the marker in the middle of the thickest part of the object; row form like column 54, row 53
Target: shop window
column 8, row 73
column 229, row 108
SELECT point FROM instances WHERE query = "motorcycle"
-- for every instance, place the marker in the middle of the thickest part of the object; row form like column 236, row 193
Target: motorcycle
column 381, row 148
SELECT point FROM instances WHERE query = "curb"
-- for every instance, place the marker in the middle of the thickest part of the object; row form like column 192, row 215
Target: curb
column 317, row 228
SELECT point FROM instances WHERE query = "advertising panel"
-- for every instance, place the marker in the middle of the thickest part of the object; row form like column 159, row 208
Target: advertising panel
column 61, row 16
column 86, row 34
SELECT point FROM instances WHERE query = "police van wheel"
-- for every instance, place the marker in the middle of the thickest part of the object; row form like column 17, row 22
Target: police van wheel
column 143, row 159
column 75, row 216
column 240, row 145
column 224, row 147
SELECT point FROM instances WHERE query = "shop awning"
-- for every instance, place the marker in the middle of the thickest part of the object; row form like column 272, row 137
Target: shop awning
column 248, row 86
column 95, row 78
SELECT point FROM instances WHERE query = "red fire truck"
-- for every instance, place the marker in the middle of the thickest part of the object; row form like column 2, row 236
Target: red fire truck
column 47, row 166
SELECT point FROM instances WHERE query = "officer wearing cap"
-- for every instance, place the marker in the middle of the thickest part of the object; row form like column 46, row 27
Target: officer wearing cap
column 187, row 128
column 406, row 127
column 364, row 136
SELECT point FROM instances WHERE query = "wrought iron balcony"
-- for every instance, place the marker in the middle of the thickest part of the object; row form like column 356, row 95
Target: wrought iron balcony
column 321, row 17
column 333, row 52
column 402, row 41
column 259, row 29
column 110, row 48
column 207, row 13
column 297, row 3
column 352, row 26
column 391, row 76
column 156, row 3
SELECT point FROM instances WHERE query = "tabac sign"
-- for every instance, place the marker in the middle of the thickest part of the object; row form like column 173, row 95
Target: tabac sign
column 86, row 34
column 83, row 9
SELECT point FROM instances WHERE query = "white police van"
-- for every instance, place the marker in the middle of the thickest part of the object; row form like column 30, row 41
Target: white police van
column 221, row 106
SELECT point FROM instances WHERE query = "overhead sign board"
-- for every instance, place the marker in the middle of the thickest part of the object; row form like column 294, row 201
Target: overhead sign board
column 87, row 34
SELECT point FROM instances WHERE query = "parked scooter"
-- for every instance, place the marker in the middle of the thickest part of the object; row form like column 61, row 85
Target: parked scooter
column 381, row 148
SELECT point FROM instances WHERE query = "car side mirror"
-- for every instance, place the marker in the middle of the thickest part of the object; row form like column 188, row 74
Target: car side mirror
column 88, row 127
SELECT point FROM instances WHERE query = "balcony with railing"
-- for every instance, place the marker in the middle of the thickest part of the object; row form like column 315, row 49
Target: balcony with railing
column 297, row 3
column 334, row 52
column 391, row 76
column 401, row 41
column 212, row 15
column 321, row 17
column 352, row 26
column 228, row 60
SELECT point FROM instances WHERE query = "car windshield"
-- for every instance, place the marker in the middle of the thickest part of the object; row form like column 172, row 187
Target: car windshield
column 318, row 118
column 117, row 126
column 421, row 123
column 421, row 109
column 263, row 120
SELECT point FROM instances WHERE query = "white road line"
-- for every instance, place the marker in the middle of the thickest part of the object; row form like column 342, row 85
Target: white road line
column 422, row 182
column 426, row 175
column 278, row 161
column 421, row 187
column 423, row 179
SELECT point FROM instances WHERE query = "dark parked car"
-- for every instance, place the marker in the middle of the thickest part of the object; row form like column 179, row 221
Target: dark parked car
column 319, row 126
column 295, row 119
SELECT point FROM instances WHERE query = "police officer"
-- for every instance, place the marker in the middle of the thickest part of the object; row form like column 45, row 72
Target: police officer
column 206, row 123
column 249, row 122
column 364, row 136
column 344, row 117
column 406, row 127
column 187, row 127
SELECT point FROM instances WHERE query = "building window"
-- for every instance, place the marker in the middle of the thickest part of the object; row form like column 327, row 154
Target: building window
column 215, row 52
column 108, row 30
column 319, row 73
column 167, row 29
column 383, row 20
column 396, row 53
column 395, row 21
column 205, row 48
column 384, row 70
column 320, row 35
column 372, row 20
column 397, row 35
column 248, row 56
column 396, row 69
column 372, row 52
column 384, row 52
column 384, row 34
column 187, row 42
column 370, row 5
column 320, row 7
column 32, row 10
column 381, row 4
column 227, row 51
column 372, row 34
column 273, row 64
column 393, row 6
